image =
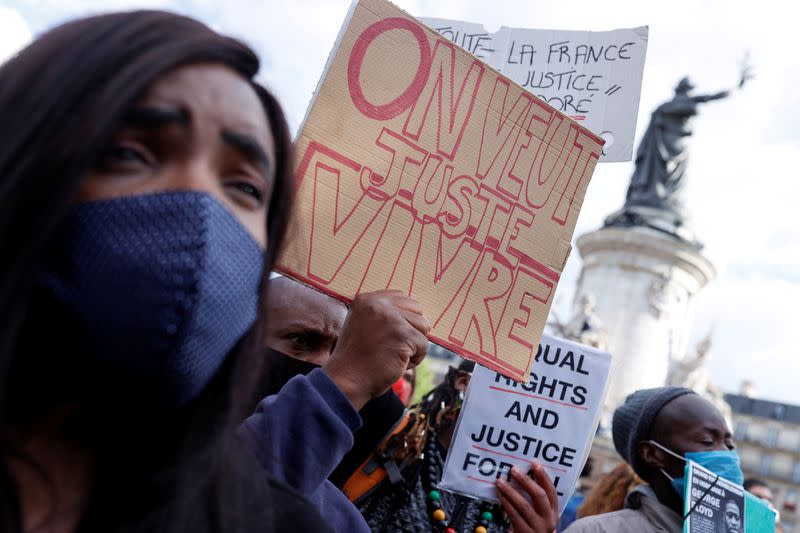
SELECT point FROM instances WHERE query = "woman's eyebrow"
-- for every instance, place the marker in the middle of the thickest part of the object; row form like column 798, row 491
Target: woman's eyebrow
column 250, row 148
column 156, row 117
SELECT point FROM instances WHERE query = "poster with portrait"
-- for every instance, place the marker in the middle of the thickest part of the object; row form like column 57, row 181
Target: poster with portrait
column 712, row 504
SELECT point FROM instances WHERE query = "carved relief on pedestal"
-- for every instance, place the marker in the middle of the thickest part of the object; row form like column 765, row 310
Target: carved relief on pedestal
column 691, row 372
column 585, row 326
column 664, row 296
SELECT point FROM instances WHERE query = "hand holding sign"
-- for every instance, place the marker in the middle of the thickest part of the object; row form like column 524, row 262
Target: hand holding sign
column 540, row 514
column 384, row 334
column 421, row 168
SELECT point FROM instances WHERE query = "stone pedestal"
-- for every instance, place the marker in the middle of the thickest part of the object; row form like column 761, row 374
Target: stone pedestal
column 643, row 282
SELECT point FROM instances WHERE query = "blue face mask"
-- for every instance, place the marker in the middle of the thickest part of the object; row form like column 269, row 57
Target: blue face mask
column 162, row 286
column 724, row 463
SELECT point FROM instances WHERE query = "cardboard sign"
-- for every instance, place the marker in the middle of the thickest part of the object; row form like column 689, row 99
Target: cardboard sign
column 422, row 169
column 551, row 420
column 715, row 505
column 594, row 77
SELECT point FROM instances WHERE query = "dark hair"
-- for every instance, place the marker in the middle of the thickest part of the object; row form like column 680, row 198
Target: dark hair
column 444, row 397
column 609, row 494
column 61, row 100
column 749, row 483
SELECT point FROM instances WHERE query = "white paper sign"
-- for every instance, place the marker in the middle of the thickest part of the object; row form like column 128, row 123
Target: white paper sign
column 594, row 77
column 551, row 420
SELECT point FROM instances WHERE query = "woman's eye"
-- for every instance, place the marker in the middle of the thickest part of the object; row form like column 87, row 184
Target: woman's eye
column 127, row 154
column 249, row 190
column 125, row 157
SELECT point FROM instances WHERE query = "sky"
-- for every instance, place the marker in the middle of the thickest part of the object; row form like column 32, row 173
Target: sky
column 743, row 185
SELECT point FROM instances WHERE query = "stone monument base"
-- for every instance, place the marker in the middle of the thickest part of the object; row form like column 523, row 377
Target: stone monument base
column 643, row 282
column 665, row 221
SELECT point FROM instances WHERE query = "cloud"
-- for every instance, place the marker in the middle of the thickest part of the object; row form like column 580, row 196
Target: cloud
column 14, row 32
column 754, row 319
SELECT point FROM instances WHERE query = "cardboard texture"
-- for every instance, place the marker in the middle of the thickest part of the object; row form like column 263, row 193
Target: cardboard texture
column 420, row 168
column 595, row 77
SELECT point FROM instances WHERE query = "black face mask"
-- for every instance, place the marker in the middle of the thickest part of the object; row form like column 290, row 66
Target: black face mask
column 280, row 369
column 378, row 415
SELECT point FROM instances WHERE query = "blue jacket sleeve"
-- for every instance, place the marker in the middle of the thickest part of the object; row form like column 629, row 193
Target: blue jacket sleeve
column 301, row 434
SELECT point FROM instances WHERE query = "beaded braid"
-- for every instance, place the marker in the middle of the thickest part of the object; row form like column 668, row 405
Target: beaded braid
column 441, row 400
column 429, row 416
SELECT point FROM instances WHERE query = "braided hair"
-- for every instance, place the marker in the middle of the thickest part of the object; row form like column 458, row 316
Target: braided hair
column 443, row 399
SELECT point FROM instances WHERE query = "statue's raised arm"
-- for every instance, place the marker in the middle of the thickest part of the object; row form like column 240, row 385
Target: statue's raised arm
column 745, row 75
column 655, row 195
column 702, row 98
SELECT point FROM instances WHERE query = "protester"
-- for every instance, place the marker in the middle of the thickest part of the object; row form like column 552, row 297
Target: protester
column 302, row 433
column 609, row 493
column 303, row 323
column 144, row 191
column 656, row 431
column 307, row 322
column 760, row 489
column 412, row 503
column 302, row 329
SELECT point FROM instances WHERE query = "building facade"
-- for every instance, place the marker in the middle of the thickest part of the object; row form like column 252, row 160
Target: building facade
column 768, row 440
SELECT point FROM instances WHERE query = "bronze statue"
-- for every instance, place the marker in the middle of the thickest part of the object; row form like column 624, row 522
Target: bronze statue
column 655, row 195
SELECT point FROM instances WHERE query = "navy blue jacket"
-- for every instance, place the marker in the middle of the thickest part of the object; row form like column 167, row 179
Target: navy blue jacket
column 300, row 435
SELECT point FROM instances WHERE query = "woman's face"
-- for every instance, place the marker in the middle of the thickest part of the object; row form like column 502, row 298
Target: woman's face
column 198, row 128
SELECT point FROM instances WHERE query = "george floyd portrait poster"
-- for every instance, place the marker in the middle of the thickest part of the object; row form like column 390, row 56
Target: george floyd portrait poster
column 712, row 504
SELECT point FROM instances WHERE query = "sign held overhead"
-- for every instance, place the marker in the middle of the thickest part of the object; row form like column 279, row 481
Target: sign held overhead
column 420, row 168
column 594, row 77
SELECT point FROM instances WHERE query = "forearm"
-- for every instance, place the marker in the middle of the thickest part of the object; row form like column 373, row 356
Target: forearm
column 301, row 434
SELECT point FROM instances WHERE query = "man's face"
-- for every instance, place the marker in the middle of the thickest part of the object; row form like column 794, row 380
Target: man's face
column 688, row 423
column 760, row 491
column 302, row 323
column 733, row 518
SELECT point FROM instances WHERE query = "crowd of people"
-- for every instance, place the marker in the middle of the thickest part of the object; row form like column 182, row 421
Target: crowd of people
column 157, row 377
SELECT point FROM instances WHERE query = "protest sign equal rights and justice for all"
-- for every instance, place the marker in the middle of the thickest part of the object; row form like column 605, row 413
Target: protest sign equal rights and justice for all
column 551, row 419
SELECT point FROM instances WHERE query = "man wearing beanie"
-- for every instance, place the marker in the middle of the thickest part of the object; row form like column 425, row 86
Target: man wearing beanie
column 653, row 430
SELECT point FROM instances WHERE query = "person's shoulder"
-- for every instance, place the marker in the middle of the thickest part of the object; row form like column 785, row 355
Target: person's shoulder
column 623, row 520
column 261, row 503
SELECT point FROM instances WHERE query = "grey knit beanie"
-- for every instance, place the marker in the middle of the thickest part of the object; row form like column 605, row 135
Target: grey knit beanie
column 633, row 421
